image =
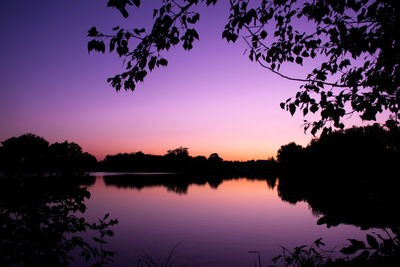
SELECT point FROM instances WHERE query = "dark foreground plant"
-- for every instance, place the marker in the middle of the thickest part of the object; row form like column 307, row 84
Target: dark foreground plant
column 171, row 260
column 103, row 256
column 379, row 251
column 40, row 223
column 303, row 256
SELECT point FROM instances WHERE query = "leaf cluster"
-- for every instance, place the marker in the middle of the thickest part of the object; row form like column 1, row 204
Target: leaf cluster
column 312, row 255
column 173, row 25
column 377, row 246
column 358, row 42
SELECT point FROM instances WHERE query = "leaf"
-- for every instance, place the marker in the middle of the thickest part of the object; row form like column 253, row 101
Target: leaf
column 358, row 244
column 91, row 45
column 263, row 34
column 372, row 242
column 348, row 250
column 314, row 108
column 299, row 60
column 292, row 109
column 162, row 62
column 319, row 243
column 152, row 63
column 282, row 105
column 112, row 44
column 93, row 32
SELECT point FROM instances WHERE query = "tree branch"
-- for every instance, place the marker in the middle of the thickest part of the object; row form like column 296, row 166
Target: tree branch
column 298, row 79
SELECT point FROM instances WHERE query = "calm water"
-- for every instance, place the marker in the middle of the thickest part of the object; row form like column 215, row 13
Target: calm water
column 218, row 226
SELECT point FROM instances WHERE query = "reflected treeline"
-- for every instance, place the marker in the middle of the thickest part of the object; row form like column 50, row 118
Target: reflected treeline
column 178, row 183
column 42, row 222
column 362, row 200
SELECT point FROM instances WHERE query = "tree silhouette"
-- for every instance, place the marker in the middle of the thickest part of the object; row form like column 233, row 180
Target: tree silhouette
column 356, row 41
column 26, row 153
column 178, row 153
column 32, row 154
column 214, row 157
column 290, row 155
column 68, row 158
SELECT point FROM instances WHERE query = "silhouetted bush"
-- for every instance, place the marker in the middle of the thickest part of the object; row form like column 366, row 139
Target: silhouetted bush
column 355, row 149
column 31, row 154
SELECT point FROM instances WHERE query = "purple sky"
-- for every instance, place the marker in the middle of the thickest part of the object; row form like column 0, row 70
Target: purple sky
column 211, row 99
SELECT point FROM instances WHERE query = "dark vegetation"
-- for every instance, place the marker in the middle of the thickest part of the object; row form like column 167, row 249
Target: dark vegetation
column 353, row 47
column 42, row 223
column 179, row 161
column 347, row 177
column 31, row 154
column 357, row 150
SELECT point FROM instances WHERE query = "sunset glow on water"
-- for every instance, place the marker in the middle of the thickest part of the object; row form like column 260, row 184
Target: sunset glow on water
column 218, row 225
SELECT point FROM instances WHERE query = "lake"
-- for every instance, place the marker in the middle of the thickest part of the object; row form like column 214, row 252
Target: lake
column 212, row 225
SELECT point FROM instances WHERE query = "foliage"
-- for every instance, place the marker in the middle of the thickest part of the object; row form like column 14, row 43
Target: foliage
column 178, row 160
column 357, row 147
column 102, row 227
column 290, row 154
column 26, row 153
column 304, row 256
column 32, row 154
column 40, row 222
column 171, row 260
column 354, row 76
column 180, row 152
column 214, row 157
column 378, row 251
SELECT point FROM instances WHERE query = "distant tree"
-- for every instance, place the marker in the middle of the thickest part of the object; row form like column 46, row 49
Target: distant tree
column 180, row 152
column 290, row 154
column 29, row 153
column 88, row 162
column 356, row 44
column 26, row 153
column 366, row 147
column 214, row 157
column 68, row 158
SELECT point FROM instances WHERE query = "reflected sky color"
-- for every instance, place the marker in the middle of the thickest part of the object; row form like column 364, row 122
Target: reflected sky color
column 219, row 225
column 211, row 99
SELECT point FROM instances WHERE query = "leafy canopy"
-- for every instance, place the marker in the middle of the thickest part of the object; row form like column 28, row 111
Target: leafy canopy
column 357, row 43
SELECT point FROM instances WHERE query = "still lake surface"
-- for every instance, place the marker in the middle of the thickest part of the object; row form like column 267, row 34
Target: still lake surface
column 214, row 225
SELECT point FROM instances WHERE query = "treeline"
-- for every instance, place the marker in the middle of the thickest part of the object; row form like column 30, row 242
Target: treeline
column 31, row 154
column 356, row 149
column 179, row 160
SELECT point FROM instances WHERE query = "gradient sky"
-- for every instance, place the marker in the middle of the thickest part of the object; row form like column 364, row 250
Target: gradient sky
column 211, row 99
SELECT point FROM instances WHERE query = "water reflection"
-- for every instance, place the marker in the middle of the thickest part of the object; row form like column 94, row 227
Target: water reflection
column 178, row 183
column 365, row 201
column 42, row 223
column 218, row 219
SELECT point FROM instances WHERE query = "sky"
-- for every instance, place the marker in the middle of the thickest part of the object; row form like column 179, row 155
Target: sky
column 210, row 99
